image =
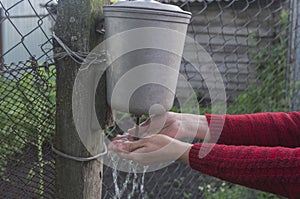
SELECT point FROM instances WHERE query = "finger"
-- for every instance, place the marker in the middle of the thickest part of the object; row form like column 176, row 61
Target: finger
column 120, row 137
column 114, row 144
column 152, row 125
column 129, row 146
column 137, row 156
column 133, row 146
column 143, row 157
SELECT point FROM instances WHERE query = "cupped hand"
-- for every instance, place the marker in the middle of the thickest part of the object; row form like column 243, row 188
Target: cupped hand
column 151, row 150
column 174, row 125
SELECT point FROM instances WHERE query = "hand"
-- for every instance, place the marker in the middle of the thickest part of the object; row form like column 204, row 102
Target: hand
column 174, row 125
column 151, row 150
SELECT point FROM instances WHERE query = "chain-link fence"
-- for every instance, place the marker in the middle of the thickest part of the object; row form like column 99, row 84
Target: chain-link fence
column 27, row 100
column 250, row 41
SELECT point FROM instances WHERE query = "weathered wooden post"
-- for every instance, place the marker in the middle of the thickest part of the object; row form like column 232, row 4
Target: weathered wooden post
column 76, row 27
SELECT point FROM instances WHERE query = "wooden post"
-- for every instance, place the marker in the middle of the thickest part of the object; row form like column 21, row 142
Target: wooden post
column 76, row 27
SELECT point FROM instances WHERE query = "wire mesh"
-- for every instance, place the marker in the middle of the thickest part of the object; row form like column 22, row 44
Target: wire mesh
column 248, row 40
column 27, row 98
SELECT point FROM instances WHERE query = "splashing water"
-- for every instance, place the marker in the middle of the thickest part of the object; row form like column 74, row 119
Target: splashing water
column 125, row 183
column 142, row 189
column 137, row 181
column 133, row 171
column 134, row 182
column 118, row 192
column 115, row 161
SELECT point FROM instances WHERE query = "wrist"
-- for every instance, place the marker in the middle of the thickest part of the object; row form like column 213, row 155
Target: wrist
column 194, row 126
column 190, row 125
column 184, row 158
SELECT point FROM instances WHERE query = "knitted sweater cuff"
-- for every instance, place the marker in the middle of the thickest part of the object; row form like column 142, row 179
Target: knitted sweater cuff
column 216, row 125
column 193, row 156
column 194, row 160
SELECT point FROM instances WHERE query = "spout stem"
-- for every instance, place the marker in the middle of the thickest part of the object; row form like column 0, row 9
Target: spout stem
column 137, row 126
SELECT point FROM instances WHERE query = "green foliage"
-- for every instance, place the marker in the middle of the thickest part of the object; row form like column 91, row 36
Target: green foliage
column 192, row 106
column 268, row 93
column 27, row 115
column 226, row 191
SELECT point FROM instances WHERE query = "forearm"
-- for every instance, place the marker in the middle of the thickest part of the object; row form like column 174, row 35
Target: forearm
column 262, row 129
column 191, row 125
column 272, row 169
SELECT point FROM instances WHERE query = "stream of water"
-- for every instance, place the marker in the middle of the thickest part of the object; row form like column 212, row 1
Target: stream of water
column 132, row 176
column 142, row 189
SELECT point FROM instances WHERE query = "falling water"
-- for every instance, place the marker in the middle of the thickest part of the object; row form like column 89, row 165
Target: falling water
column 119, row 191
column 143, row 182
column 138, row 183
column 134, row 182
column 125, row 183
column 115, row 161
column 132, row 173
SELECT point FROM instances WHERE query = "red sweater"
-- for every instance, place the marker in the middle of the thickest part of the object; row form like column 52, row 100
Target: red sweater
column 260, row 151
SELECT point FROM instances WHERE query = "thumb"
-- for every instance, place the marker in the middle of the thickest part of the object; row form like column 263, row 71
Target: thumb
column 152, row 125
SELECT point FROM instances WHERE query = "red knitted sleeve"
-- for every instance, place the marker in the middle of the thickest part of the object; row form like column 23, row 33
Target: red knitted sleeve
column 260, row 129
column 271, row 169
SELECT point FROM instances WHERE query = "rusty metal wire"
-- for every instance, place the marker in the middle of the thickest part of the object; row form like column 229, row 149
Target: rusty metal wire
column 250, row 42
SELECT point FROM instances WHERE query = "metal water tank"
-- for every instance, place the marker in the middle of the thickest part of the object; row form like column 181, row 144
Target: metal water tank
column 145, row 41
